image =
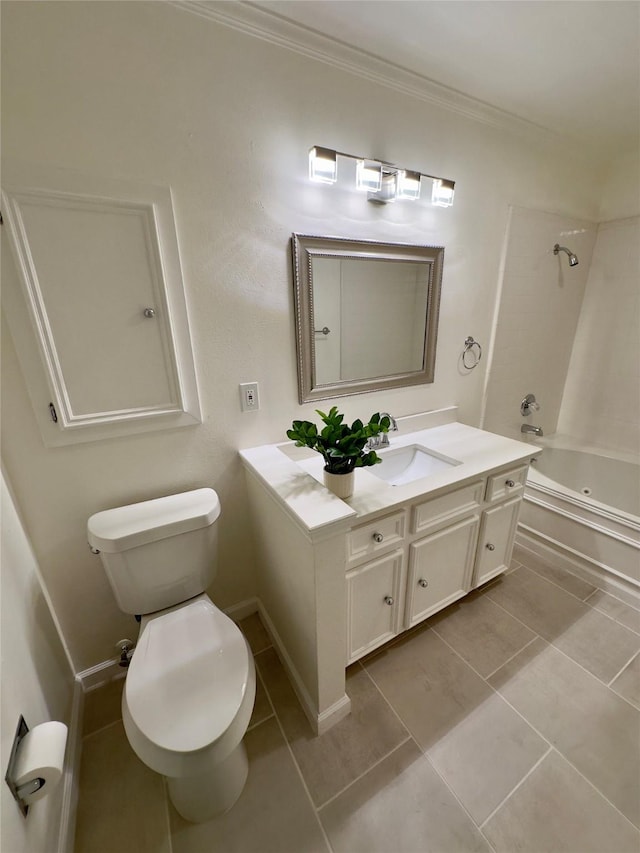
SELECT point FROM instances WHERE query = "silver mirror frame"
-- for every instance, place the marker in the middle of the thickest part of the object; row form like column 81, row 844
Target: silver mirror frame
column 304, row 248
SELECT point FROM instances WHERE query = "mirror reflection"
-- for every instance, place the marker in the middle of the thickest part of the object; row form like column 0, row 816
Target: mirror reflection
column 366, row 314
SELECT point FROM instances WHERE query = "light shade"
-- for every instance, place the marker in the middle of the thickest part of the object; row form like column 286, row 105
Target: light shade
column 408, row 184
column 323, row 165
column 442, row 194
column 368, row 175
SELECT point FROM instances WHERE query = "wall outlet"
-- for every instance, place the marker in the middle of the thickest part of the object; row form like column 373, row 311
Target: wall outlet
column 249, row 399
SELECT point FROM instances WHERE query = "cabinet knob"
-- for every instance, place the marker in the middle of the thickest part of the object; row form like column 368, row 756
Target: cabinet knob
column 510, row 483
column 388, row 600
column 490, row 547
column 378, row 537
column 423, row 582
column 149, row 313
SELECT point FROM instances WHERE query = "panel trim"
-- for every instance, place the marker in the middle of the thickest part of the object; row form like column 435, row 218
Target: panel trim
column 31, row 328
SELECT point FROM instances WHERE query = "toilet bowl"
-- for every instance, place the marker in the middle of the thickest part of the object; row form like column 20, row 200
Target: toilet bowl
column 191, row 683
column 187, row 702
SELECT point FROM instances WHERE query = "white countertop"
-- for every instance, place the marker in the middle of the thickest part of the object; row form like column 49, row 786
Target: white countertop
column 294, row 475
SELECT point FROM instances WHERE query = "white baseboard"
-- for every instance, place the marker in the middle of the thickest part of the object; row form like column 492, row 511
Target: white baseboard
column 577, row 564
column 100, row 674
column 242, row 609
column 71, row 776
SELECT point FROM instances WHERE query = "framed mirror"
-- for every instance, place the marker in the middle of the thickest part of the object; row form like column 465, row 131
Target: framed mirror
column 366, row 315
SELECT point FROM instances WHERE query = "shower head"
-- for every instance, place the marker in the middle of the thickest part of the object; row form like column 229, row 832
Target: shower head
column 573, row 259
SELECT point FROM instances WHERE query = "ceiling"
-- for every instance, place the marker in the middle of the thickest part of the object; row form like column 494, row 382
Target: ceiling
column 570, row 66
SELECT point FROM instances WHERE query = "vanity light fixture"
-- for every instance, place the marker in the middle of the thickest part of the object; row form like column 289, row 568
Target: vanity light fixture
column 408, row 184
column 368, row 175
column 383, row 182
column 323, row 165
column 442, row 194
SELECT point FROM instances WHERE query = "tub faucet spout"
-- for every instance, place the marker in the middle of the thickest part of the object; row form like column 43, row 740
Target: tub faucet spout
column 529, row 428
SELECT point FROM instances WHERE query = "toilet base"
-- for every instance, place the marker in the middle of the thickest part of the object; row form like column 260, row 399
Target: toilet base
column 200, row 798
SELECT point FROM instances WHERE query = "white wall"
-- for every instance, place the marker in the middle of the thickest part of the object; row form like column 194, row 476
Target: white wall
column 37, row 681
column 537, row 318
column 601, row 402
column 620, row 195
column 146, row 91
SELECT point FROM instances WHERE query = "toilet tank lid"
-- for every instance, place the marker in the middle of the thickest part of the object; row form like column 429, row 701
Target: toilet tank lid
column 127, row 527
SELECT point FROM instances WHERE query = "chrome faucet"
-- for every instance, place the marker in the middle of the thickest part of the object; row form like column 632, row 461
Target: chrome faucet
column 393, row 423
column 529, row 428
column 382, row 440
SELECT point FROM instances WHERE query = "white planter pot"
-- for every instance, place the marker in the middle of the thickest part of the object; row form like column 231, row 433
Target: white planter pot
column 340, row 484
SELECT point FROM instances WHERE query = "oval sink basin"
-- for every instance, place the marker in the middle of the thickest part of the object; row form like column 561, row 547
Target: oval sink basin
column 407, row 464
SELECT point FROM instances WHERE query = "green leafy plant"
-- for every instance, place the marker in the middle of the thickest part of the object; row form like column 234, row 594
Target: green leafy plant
column 342, row 446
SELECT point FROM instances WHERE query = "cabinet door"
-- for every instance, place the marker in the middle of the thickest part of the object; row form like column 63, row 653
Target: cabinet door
column 373, row 604
column 440, row 569
column 496, row 540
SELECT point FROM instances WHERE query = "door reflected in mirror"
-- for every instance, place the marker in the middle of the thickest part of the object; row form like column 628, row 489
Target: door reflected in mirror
column 366, row 315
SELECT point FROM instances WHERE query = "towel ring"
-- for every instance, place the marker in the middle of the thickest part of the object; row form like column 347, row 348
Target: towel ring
column 469, row 344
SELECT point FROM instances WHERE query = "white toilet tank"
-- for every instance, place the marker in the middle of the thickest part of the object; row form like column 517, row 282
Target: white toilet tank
column 160, row 552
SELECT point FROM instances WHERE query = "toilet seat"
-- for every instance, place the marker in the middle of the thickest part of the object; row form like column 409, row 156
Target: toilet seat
column 189, row 689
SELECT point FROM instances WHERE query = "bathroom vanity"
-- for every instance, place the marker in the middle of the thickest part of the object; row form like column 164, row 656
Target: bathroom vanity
column 337, row 579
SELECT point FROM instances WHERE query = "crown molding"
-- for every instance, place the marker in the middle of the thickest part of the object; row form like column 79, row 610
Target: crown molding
column 252, row 20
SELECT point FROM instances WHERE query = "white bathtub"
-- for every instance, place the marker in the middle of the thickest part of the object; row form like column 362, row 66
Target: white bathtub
column 583, row 510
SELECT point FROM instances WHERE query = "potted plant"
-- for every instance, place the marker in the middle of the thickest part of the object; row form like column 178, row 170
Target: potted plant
column 342, row 446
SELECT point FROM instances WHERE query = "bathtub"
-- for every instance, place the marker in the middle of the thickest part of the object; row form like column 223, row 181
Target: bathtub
column 582, row 509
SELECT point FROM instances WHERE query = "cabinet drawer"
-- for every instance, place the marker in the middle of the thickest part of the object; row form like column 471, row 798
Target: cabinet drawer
column 506, row 484
column 438, row 512
column 373, row 604
column 374, row 537
column 440, row 569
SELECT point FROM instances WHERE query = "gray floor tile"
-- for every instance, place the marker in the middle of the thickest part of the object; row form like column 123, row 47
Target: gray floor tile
column 571, row 583
column 255, row 632
column 484, row 634
column 599, row 644
column 122, row 804
column 478, row 744
column 616, row 609
column 333, row 760
column 485, row 756
column 566, row 622
column 555, row 810
column 401, row 805
column 262, row 709
column 273, row 814
column 103, row 705
column 543, row 607
column 627, row 684
column 597, row 731
column 421, row 672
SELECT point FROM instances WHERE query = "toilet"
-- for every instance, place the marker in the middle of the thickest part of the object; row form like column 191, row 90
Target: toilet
column 191, row 684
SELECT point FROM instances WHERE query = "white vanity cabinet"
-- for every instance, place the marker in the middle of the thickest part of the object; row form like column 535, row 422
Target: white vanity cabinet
column 455, row 542
column 337, row 579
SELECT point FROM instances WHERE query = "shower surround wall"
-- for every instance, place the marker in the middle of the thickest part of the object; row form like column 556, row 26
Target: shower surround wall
column 537, row 317
column 601, row 402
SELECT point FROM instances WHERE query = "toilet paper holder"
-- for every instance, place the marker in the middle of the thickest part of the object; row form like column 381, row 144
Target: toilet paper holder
column 27, row 776
column 19, row 792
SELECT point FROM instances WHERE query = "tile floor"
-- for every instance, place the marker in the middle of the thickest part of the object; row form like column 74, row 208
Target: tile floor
column 508, row 722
